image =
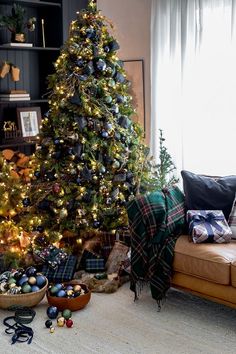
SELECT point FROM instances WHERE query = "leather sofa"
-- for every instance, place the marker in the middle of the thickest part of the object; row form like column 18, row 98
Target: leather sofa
column 207, row 270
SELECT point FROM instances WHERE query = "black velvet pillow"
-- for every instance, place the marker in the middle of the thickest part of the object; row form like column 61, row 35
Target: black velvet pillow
column 209, row 193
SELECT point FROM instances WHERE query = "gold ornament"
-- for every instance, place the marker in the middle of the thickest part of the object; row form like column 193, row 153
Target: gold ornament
column 60, row 321
column 63, row 213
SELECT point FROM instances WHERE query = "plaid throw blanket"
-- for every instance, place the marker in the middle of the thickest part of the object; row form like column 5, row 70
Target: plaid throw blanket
column 156, row 220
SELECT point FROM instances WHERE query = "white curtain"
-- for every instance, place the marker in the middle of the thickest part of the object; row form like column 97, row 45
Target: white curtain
column 193, row 83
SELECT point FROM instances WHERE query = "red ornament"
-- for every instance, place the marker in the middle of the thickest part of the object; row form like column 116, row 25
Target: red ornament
column 69, row 323
column 56, row 188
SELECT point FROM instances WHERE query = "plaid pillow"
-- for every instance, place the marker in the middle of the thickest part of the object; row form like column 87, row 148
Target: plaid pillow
column 64, row 272
column 232, row 219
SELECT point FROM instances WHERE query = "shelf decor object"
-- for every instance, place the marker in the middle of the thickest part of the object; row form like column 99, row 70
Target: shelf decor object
column 16, row 24
column 29, row 119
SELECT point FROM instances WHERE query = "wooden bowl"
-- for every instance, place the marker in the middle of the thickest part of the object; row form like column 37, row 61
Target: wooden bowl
column 73, row 304
column 29, row 299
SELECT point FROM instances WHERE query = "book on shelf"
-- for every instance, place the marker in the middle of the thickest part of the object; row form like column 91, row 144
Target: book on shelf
column 15, row 91
column 12, row 44
column 14, row 95
column 12, row 99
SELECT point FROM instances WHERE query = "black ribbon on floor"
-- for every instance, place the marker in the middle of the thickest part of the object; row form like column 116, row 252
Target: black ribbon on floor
column 16, row 324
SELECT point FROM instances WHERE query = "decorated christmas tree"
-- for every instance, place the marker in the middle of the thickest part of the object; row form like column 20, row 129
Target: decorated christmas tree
column 91, row 156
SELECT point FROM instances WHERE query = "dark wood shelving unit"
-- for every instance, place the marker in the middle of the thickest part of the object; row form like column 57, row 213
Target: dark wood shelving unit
column 36, row 62
column 31, row 3
column 8, row 47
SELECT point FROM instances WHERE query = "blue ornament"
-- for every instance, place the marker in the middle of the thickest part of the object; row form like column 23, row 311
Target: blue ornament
column 61, row 293
column 22, row 280
column 40, row 281
column 35, row 288
column 82, row 77
column 96, row 224
column 30, row 271
column 90, row 33
column 78, row 181
column 58, row 286
column 40, row 228
column 69, row 287
column 52, row 312
column 101, row 65
column 57, row 141
column 106, row 49
column 120, row 98
column 120, row 78
column 37, row 174
column 26, row 202
column 80, row 63
column 104, row 134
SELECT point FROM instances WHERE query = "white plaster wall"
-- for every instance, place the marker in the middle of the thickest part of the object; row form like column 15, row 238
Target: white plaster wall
column 131, row 20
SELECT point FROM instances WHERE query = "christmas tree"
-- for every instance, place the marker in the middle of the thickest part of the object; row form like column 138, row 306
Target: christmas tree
column 91, row 158
column 165, row 168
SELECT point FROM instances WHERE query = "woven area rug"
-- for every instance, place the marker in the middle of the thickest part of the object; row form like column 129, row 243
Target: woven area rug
column 113, row 323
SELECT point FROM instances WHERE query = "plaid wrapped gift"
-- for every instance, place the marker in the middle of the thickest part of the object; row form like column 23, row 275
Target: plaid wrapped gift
column 208, row 226
column 51, row 255
column 87, row 255
column 95, row 265
column 64, row 272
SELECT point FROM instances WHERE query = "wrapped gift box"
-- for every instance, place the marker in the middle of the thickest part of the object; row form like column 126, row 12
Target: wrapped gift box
column 208, row 226
column 64, row 272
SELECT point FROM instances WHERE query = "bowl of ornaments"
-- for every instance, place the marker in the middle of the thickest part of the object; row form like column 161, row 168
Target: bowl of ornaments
column 70, row 295
column 25, row 287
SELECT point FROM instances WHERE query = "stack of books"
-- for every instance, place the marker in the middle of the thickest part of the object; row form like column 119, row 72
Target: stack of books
column 15, row 95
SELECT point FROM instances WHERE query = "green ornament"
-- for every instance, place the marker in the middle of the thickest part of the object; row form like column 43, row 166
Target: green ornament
column 11, row 281
column 67, row 314
column 26, row 288
column 108, row 99
column 54, row 290
column 111, row 83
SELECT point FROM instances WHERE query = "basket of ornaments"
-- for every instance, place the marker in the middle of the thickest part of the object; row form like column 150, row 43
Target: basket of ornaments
column 71, row 295
column 24, row 287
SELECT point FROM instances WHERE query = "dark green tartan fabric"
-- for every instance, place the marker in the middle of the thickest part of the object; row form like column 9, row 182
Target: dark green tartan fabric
column 155, row 220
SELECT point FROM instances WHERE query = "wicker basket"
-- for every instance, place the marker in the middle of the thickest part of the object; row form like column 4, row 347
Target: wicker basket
column 73, row 304
column 29, row 299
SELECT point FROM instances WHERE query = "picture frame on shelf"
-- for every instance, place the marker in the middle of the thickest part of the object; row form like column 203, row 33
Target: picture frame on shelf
column 29, row 120
column 135, row 74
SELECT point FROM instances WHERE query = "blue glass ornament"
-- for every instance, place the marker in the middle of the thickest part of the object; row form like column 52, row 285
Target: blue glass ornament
column 37, row 174
column 104, row 134
column 101, row 65
column 22, row 280
column 30, row 271
column 40, row 281
column 80, row 63
column 52, row 312
column 35, row 288
column 58, row 286
column 40, row 228
column 26, row 202
column 61, row 293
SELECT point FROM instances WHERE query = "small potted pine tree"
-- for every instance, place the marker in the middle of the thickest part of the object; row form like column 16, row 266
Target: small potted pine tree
column 16, row 23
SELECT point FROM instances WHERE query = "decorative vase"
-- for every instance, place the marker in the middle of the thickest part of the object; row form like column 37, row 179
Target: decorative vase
column 18, row 37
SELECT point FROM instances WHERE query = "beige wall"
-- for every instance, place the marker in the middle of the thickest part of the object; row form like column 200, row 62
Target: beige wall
column 131, row 20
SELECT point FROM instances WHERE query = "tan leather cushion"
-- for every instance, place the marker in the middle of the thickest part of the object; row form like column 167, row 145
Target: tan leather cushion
column 233, row 273
column 206, row 260
column 225, row 293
